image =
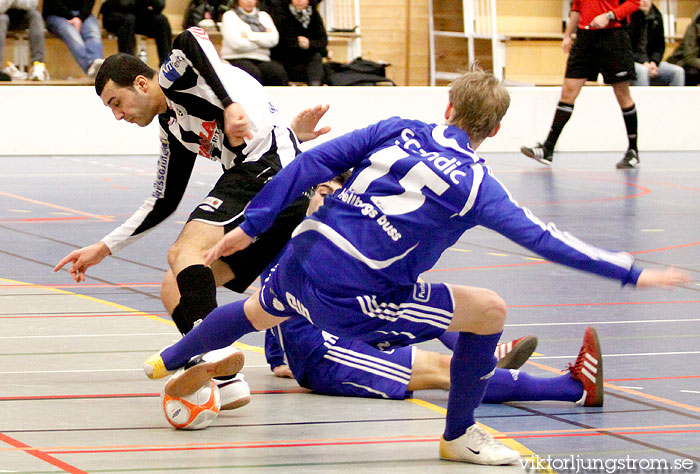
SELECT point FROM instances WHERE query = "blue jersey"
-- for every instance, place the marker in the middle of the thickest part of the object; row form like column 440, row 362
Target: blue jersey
column 414, row 190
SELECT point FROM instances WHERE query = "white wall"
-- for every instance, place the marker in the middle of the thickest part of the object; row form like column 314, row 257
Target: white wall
column 54, row 120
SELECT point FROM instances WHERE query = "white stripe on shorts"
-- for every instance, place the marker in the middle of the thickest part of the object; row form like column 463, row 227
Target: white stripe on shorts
column 424, row 316
column 369, row 367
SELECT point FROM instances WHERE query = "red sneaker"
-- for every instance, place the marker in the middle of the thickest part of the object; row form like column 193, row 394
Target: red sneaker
column 513, row 354
column 588, row 370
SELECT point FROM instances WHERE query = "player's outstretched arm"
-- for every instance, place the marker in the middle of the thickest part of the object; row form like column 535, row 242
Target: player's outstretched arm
column 650, row 278
column 305, row 122
column 82, row 259
column 230, row 243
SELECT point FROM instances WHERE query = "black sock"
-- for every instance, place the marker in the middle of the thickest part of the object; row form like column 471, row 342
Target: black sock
column 197, row 296
column 630, row 116
column 561, row 116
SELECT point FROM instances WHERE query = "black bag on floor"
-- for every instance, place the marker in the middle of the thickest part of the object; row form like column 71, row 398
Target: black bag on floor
column 358, row 72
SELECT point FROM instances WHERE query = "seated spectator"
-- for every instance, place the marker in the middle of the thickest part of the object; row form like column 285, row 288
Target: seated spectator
column 248, row 35
column 648, row 45
column 126, row 18
column 687, row 54
column 303, row 41
column 22, row 14
column 74, row 23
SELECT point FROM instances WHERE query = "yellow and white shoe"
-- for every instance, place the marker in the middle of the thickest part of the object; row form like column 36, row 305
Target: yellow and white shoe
column 38, row 72
column 154, row 367
column 14, row 72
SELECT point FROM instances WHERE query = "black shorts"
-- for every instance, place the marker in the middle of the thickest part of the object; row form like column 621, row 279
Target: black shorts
column 606, row 51
column 224, row 207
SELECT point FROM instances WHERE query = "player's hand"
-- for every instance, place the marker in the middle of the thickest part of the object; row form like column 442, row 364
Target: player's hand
column 230, row 243
column 304, row 124
column 304, row 42
column 236, row 124
column 601, row 21
column 566, row 44
column 82, row 259
column 76, row 22
column 650, row 278
column 283, row 371
column 653, row 70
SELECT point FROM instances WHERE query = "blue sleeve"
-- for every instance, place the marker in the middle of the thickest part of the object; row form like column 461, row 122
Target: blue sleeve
column 273, row 351
column 310, row 168
column 499, row 212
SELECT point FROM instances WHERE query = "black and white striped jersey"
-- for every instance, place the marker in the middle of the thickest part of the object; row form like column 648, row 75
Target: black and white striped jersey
column 198, row 86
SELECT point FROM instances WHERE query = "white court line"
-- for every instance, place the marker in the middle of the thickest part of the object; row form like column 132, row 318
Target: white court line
column 92, row 335
column 690, row 391
column 586, row 323
column 81, row 371
column 620, row 355
column 592, row 323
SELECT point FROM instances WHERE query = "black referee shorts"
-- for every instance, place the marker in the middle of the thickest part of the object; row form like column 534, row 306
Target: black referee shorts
column 224, row 207
column 606, row 51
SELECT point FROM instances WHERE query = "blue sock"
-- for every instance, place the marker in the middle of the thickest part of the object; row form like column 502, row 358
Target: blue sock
column 221, row 328
column 449, row 339
column 472, row 364
column 514, row 386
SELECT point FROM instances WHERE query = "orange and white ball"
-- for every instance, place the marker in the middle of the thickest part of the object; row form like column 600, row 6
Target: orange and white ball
column 195, row 411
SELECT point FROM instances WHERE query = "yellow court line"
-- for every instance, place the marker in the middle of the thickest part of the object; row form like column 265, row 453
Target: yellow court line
column 133, row 311
column 90, row 298
column 42, row 203
column 507, row 441
column 511, row 443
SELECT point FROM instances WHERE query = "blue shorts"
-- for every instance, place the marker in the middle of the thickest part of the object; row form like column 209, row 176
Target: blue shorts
column 406, row 315
column 355, row 369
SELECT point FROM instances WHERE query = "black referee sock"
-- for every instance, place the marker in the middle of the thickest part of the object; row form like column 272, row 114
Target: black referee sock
column 561, row 116
column 197, row 296
column 630, row 116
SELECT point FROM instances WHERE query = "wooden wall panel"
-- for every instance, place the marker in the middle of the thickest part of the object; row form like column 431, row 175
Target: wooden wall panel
column 537, row 62
column 396, row 31
column 532, row 16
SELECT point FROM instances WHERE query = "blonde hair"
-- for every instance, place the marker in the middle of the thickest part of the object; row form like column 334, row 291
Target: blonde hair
column 479, row 102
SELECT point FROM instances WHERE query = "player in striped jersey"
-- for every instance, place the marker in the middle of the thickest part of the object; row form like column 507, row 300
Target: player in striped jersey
column 352, row 267
column 205, row 107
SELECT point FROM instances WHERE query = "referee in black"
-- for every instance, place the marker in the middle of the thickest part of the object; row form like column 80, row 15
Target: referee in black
column 602, row 45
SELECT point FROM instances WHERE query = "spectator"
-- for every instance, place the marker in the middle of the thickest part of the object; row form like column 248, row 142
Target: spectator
column 248, row 35
column 687, row 54
column 303, row 41
column 21, row 14
column 648, row 45
column 126, row 18
column 74, row 23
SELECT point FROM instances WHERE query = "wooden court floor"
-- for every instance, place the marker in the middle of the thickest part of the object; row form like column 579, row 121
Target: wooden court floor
column 73, row 397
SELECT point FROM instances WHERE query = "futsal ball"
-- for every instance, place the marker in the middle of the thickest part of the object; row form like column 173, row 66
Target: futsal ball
column 195, row 411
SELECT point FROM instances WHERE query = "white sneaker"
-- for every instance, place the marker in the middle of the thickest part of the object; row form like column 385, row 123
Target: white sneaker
column 477, row 446
column 12, row 71
column 235, row 392
column 94, row 67
column 38, row 72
